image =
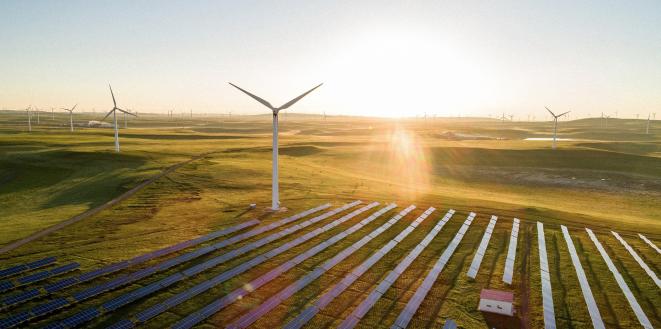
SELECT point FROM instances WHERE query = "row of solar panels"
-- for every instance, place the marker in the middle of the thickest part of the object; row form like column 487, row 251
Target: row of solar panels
column 413, row 304
column 157, row 309
column 593, row 310
column 511, row 253
column 50, row 306
column 134, row 295
column 323, row 301
column 650, row 243
column 36, row 277
column 19, row 298
column 18, row 269
column 482, row 248
column 271, row 275
column 362, row 309
column 639, row 260
column 301, row 283
column 547, row 295
column 638, row 311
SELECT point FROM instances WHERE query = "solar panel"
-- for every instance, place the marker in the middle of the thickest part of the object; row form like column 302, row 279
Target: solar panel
column 68, row 282
column 595, row 316
column 50, row 306
column 511, row 253
column 285, row 293
column 650, row 243
column 547, row 296
column 17, row 269
column 81, row 295
column 638, row 311
column 481, row 250
column 136, row 294
column 15, row 319
column 21, row 297
column 412, row 306
column 350, row 278
column 639, row 260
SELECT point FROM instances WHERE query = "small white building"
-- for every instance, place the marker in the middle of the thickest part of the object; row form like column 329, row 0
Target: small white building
column 496, row 301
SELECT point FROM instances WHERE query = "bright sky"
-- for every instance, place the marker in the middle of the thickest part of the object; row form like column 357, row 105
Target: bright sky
column 386, row 58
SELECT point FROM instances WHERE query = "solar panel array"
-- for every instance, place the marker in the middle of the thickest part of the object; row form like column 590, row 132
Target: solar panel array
column 385, row 284
column 597, row 322
column 638, row 311
column 412, row 306
column 511, row 253
column 650, row 243
column 53, row 305
column 36, row 277
column 482, row 249
column 18, row 269
column 547, row 294
column 640, row 261
column 177, row 299
column 134, row 295
column 290, row 290
column 14, row 300
column 323, row 301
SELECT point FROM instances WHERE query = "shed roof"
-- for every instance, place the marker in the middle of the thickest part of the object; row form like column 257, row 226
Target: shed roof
column 503, row 296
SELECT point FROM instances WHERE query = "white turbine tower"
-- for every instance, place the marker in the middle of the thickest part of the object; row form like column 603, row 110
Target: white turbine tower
column 647, row 129
column 71, row 116
column 114, row 117
column 29, row 119
column 555, row 124
column 275, row 203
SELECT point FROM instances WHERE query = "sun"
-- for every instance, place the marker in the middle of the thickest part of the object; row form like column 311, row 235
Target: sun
column 404, row 72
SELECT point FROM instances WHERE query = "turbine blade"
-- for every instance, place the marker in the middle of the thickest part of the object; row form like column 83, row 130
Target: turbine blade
column 293, row 101
column 265, row 103
column 113, row 96
column 559, row 115
column 553, row 114
column 109, row 113
column 127, row 112
column 74, row 107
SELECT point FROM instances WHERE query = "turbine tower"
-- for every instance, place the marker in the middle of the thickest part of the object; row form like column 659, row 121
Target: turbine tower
column 555, row 124
column 114, row 117
column 71, row 116
column 647, row 129
column 29, row 119
column 275, row 203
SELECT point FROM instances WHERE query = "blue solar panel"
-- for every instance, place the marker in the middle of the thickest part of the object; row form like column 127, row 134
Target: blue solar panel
column 65, row 268
column 49, row 306
column 6, row 285
column 26, row 295
column 14, row 319
column 59, row 285
column 34, row 277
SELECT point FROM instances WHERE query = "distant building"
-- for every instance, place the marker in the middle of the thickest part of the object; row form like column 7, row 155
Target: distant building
column 98, row 124
column 496, row 301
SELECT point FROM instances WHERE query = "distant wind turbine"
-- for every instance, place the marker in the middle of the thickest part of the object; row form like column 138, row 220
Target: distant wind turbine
column 71, row 116
column 647, row 129
column 555, row 124
column 502, row 118
column 29, row 119
column 275, row 203
column 114, row 117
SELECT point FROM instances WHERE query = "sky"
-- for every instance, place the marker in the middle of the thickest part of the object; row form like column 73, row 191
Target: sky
column 375, row 58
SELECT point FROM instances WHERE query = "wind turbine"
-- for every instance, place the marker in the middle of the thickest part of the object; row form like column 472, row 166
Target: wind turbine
column 275, row 203
column 502, row 118
column 71, row 115
column 29, row 119
column 555, row 123
column 114, row 117
column 647, row 130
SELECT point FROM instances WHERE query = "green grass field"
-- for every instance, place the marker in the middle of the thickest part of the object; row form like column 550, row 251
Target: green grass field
column 604, row 178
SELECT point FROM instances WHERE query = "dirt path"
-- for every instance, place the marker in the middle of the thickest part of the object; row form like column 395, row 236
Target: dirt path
column 95, row 210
